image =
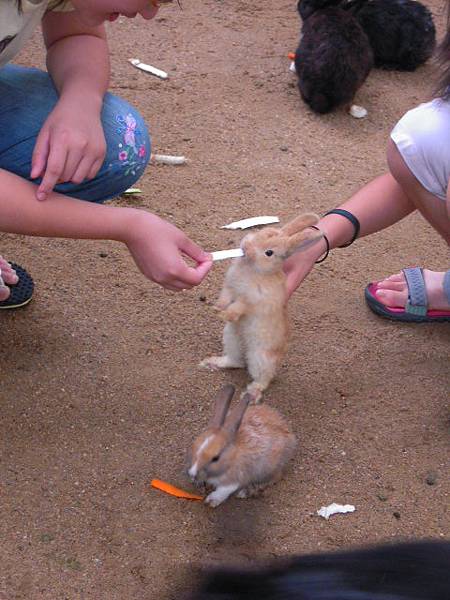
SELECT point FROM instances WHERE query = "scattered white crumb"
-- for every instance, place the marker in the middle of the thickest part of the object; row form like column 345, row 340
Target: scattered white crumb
column 292, row 67
column 166, row 159
column 332, row 509
column 132, row 191
column 148, row 68
column 359, row 112
column 251, row 222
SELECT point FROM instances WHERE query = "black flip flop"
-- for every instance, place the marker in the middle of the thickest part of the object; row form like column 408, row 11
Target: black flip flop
column 21, row 292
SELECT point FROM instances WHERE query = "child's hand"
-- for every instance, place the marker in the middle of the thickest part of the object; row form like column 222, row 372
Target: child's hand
column 70, row 147
column 157, row 248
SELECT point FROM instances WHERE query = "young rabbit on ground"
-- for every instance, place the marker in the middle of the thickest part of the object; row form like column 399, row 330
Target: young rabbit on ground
column 334, row 56
column 402, row 571
column 242, row 451
column 253, row 302
column 401, row 32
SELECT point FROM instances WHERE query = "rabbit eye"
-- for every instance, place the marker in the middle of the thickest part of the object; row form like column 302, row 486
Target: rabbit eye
column 215, row 458
column 268, row 252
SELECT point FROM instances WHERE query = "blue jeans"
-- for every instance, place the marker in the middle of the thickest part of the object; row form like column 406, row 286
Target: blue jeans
column 27, row 96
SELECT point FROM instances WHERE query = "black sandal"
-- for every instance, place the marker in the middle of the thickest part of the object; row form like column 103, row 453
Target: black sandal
column 21, row 292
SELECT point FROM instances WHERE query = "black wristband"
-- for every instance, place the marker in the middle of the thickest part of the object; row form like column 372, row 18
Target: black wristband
column 353, row 220
column 327, row 251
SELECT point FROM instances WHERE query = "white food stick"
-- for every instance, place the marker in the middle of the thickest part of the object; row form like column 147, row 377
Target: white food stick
column 166, row 159
column 232, row 253
column 148, row 68
column 292, row 68
column 332, row 509
column 133, row 191
column 251, row 222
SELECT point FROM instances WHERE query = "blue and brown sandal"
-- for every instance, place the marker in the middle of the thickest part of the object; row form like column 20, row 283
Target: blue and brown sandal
column 416, row 309
column 21, row 292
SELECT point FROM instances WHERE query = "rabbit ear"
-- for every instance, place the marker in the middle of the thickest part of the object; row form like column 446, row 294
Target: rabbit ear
column 222, row 405
column 235, row 417
column 300, row 223
column 301, row 241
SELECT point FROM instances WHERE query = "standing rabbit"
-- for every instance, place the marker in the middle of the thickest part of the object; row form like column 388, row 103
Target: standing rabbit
column 242, row 451
column 253, row 302
column 334, row 56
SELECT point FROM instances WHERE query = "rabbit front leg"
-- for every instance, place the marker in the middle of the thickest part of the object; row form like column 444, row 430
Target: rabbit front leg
column 224, row 300
column 234, row 311
column 221, row 494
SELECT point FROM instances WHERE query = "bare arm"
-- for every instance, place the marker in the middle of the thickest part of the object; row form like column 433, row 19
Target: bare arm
column 156, row 246
column 71, row 144
column 77, row 58
column 378, row 205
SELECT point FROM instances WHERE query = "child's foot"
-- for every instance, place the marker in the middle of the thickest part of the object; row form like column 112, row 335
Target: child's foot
column 393, row 291
column 7, row 277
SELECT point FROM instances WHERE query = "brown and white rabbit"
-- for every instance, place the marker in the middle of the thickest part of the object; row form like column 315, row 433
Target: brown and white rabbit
column 253, row 302
column 242, row 450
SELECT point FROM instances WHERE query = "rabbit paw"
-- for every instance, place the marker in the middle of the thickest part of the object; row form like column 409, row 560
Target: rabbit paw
column 220, row 306
column 213, row 363
column 255, row 391
column 220, row 495
column 213, row 499
column 242, row 493
column 230, row 314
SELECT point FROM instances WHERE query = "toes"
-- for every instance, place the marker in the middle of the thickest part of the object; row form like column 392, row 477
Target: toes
column 390, row 284
column 396, row 277
column 7, row 273
column 392, row 297
column 4, row 293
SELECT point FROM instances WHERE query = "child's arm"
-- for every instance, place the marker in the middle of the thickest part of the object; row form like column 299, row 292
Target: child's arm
column 71, row 144
column 156, row 245
column 377, row 205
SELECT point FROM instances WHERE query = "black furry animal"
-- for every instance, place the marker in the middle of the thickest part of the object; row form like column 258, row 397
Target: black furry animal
column 334, row 56
column 408, row 571
column 401, row 32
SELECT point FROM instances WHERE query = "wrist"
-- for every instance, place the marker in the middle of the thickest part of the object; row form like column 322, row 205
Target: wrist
column 125, row 224
column 316, row 251
column 134, row 225
column 338, row 230
column 84, row 99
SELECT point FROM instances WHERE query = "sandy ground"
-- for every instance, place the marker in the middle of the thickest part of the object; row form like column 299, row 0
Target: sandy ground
column 100, row 389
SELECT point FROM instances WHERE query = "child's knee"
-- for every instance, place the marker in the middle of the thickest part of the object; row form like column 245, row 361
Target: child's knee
column 127, row 138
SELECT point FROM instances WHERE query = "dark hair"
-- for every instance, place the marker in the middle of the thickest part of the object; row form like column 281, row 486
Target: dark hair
column 403, row 571
column 443, row 61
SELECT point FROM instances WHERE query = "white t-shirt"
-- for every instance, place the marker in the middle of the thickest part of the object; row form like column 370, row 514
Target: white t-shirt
column 18, row 19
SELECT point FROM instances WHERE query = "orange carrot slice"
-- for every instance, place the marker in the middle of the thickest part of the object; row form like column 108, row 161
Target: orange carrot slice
column 174, row 491
column 291, row 55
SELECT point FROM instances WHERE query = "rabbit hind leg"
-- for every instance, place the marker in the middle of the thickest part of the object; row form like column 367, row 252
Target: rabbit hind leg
column 252, row 490
column 262, row 367
column 233, row 357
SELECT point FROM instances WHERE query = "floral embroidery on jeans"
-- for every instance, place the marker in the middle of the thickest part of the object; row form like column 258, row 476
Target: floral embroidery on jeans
column 132, row 153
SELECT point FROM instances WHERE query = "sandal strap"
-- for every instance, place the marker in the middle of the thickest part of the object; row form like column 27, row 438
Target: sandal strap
column 417, row 294
column 447, row 285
